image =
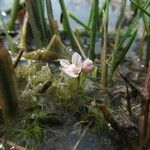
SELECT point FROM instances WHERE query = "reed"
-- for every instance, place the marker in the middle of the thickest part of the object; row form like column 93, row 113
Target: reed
column 23, row 36
column 38, row 23
column 11, row 22
column 8, row 84
column 11, row 44
column 147, row 29
column 102, row 7
column 78, row 21
column 146, row 22
column 49, row 9
column 138, row 6
column 104, row 45
column 53, row 26
column 93, row 29
column 67, row 25
column 117, row 40
column 90, row 17
column 127, row 40
column 79, row 46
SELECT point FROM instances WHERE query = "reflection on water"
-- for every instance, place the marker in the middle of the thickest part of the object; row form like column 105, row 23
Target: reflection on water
column 80, row 8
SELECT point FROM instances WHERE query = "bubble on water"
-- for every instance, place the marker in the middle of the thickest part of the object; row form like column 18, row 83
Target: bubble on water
column 109, row 124
column 138, row 59
column 1, row 146
column 12, row 148
column 142, row 66
column 3, row 13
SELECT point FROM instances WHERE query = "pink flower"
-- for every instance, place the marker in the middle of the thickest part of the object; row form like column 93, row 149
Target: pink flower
column 74, row 69
column 87, row 66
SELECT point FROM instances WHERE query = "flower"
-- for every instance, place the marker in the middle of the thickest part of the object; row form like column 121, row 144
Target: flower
column 74, row 69
column 87, row 66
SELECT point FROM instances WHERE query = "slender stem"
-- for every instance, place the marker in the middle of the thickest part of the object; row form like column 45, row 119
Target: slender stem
column 67, row 25
column 49, row 9
column 134, row 22
column 9, row 39
column 38, row 23
column 93, row 29
column 103, row 7
column 147, row 60
column 144, row 122
column 78, row 21
column 128, row 102
column 79, row 46
column 137, row 5
column 117, row 40
column 18, row 58
column 128, row 38
column 11, row 22
column 108, row 116
column 104, row 46
column 8, row 83
column 147, row 83
column 141, row 46
column 22, row 43
column 52, row 23
column 121, row 17
column 90, row 17
column 34, row 26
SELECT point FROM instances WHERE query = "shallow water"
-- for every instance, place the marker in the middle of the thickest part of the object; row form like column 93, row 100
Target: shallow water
column 80, row 8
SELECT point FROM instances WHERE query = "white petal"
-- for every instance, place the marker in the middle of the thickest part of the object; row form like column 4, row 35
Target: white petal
column 70, row 73
column 76, row 59
column 64, row 63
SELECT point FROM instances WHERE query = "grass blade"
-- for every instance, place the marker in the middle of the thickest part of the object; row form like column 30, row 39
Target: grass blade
column 93, row 29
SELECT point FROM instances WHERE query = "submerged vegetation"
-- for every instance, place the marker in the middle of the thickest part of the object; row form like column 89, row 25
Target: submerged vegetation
column 58, row 89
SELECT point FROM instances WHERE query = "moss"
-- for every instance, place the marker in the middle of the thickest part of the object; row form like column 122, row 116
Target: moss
column 62, row 97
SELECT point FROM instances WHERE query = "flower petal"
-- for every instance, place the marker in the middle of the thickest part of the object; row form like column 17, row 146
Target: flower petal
column 88, row 69
column 87, row 66
column 64, row 63
column 87, row 62
column 76, row 59
column 70, row 73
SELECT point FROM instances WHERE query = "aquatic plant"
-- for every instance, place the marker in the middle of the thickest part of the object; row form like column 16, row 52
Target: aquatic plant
column 14, row 10
column 22, row 43
column 10, row 41
column 38, row 23
column 129, row 38
column 104, row 49
column 67, row 25
column 95, row 8
column 44, row 89
column 8, row 84
column 78, row 21
column 74, row 69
